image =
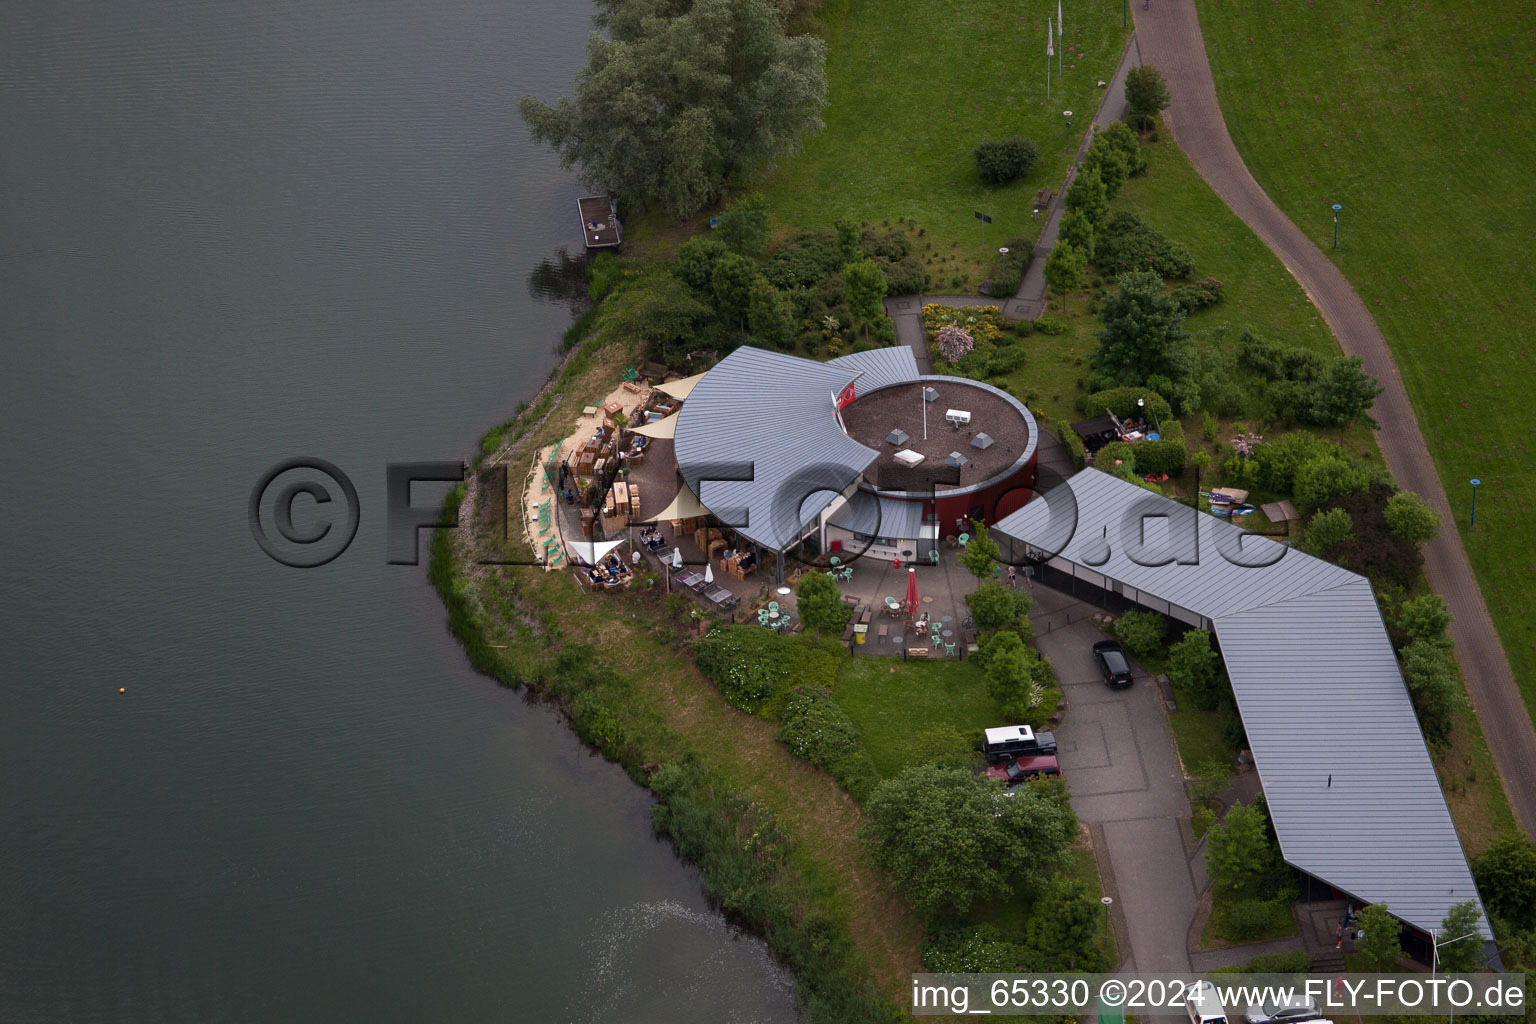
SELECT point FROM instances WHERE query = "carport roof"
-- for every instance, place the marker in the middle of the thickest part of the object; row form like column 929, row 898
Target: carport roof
column 1351, row 788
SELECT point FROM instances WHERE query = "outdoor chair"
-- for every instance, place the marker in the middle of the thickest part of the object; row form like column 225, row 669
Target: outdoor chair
column 965, row 539
column 773, row 606
column 762, row 616
column 834, row 561
column 933, row 556
column 949, row 649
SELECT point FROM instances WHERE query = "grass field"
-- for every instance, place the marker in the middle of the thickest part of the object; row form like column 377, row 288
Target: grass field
column 1415, row 118
column 891, row 707
column 913, row 87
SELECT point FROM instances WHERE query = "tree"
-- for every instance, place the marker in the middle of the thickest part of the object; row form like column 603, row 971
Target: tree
column 1140, row 632
column 1382, row 945
column 659, row 310
column 1120, row 135
column 981, row 554
column 1087, row 194
column 849, row 246
column 865, row 283
column 1328, row 477
column 1238, row 853
column 660, row 116
column 1195, row 668
column 994, row 606
column 1001, row 162
column 1506, row 877
column 1146, row 94
column 948, row 840
column 696, row 259
column 1327, row 529
column 1016, row 675
column 1410, row 517
column 1077, row 231
column 1424, row 618
column 1430, row 675
column 821, row 604
column 1143, row 334
column 1344, row 394
column 1459, row 922
column 731, row 284
column 769, row 318
column 1064, row 269
column 1106, row 157
column 744, row 227
column 1064, row 923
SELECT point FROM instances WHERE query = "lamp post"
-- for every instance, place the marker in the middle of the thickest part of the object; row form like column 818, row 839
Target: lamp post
column 1434, row 954
column 1336, row 209
column 1125, row 12
column 1473, row 521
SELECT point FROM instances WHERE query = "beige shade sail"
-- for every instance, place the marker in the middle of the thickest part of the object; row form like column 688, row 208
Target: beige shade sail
column 680, row 389
column 684, row 506
column 665, row 428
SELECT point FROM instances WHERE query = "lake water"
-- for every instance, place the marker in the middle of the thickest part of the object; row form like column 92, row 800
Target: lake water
column 233, row 233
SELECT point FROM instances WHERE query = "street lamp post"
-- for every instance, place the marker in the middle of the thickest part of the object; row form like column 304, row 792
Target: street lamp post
column 1475, row 482
column 1336, row 209
column 1434, row 953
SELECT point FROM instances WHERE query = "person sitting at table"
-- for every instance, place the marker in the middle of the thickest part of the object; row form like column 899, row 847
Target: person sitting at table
column 747, row 562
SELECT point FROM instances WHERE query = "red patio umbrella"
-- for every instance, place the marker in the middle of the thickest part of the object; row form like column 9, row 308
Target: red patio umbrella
column 911, row 593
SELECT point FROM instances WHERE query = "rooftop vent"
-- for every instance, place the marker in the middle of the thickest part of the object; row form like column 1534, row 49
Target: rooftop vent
column 897, row 436
column 957, row 417
column 955, row 460
column 930, row 395
column 982, row 442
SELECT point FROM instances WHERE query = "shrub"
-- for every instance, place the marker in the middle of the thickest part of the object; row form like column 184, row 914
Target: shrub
column 1073, row 443
column 751, row 665
column 999, row 162
column 1432, row 683
column 1194, row 669
column 1008, row 269
column 821, row 604
column 1245, row 919
column 1410, row 517
column 1199, row 295
column 1326, row 530
column 994, row 606
column 1506, row 877
column 955, row 343
column 814, row 728
column 1329, row 477
column 1168, row 455
column 1279, row 460
column 1051, row 326
column 1297, row 962
column 802, row 260
column 1140, row 632
column 1423, row 618
column 1127, row 244
column 1122, row 402
column 907, row 276
column 980, row 949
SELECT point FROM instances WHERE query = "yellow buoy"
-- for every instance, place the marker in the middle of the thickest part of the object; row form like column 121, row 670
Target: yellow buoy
column 122, row 689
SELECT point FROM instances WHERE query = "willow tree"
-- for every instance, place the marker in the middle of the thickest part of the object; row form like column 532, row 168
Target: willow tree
column 681, row 94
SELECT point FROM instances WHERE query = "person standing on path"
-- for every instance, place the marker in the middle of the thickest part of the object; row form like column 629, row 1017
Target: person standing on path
column 1013, row 577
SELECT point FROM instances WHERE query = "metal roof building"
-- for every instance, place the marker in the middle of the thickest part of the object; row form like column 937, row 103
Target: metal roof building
column 1351, row 788
column 758, row 439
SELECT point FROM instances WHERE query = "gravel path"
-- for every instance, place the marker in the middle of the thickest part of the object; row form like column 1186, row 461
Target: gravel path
column 1169, row 36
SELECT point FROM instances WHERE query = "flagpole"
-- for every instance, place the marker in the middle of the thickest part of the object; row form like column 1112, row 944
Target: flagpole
column 1049, row 39
column 1061, row 42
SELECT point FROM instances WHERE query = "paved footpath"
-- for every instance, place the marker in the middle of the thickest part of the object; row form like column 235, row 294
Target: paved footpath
column 1168, row 33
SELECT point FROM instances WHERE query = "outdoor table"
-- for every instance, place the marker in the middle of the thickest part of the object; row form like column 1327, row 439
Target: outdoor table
column 688, row 579
column 948, row 632
column 785, row 591
column 897, row 639
column 947, row 618
column 774, row 617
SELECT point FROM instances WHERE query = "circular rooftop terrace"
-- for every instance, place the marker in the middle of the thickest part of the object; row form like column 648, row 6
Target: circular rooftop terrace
column 999, row 435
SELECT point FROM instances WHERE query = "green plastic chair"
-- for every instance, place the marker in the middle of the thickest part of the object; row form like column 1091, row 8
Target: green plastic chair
column 949, row 649
column 834, row 561
column 965, row 539
column 933, row 556
column 773, row 606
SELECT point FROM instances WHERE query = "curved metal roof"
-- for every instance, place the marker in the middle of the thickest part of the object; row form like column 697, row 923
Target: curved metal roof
column 758, row 439
column 1351, row 788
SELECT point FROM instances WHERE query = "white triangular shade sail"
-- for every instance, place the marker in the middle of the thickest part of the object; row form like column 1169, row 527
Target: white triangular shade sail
column 665, row 427
column 684, row 506
column 680, row 389
column 591, row 551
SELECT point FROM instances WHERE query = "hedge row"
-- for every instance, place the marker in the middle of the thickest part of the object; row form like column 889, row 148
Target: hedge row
column 1122, row 402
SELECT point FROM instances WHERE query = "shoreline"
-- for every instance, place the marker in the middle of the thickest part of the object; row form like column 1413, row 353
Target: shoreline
column 508, row 621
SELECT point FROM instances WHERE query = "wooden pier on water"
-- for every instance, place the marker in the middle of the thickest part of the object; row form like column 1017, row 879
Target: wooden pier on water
column 600, row 226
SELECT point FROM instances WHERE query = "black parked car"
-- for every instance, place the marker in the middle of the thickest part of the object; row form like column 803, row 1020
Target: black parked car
column 1011, row 741
column 1114, row 664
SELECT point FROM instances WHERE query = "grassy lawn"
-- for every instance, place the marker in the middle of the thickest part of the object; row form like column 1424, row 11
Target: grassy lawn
column 1412, row 116
column 1280, row 925
column 1198, row 737
column 912, row 88
column 891, row 701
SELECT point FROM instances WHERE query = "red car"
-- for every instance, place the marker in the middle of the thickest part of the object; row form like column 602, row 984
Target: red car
column 1015, row 772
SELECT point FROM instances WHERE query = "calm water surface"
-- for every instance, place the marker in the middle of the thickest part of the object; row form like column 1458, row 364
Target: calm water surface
column 232, row 233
